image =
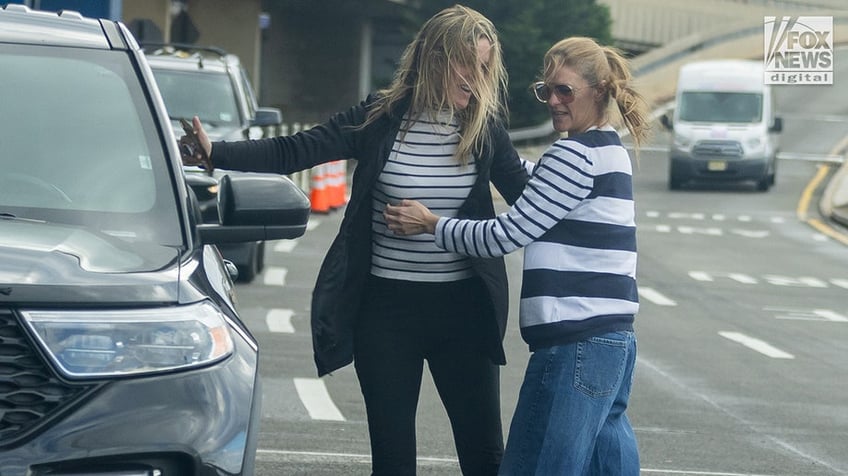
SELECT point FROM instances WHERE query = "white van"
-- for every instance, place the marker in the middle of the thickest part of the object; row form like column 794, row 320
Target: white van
column 724, row 124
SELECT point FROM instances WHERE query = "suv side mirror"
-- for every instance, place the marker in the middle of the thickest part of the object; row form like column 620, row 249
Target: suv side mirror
column 267, row 116
column 257, row 207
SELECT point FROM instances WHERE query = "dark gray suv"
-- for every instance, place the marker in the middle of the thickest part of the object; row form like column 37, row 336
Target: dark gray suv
column 121, row 347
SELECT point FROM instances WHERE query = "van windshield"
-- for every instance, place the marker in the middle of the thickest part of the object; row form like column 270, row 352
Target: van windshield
column 717, row 106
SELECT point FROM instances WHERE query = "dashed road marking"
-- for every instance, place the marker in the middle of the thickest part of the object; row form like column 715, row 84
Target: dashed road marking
column 285, row 246
column 279, row 320
column 275, row 276
column 842, row 283
column 791, row 314
column 314, row 396
column 756, row 345
column 655, row 297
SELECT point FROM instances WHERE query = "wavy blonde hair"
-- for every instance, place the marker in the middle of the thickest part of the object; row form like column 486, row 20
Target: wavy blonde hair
column 607, row 69
column 427, row 72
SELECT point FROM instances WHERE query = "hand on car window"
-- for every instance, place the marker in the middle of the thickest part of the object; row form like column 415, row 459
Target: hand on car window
column 195, row 146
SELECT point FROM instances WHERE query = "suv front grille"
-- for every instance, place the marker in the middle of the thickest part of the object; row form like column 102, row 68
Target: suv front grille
column 30, row 394
column 726, row 149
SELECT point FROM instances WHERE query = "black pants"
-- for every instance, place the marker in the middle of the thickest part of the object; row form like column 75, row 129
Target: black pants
column 402, row 325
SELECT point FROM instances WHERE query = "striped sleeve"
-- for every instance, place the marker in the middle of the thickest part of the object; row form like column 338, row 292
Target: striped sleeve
column 563, row 177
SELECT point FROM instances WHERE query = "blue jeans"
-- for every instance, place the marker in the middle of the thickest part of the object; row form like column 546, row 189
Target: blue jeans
column 570, row 416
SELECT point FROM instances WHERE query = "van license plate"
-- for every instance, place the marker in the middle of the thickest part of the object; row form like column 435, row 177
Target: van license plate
column 717, row 165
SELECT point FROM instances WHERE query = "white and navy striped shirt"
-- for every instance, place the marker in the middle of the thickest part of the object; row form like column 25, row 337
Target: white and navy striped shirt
column 421, row 166
column 577, row 219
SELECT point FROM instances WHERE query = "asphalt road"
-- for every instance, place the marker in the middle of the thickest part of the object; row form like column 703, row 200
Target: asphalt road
column 743, row 330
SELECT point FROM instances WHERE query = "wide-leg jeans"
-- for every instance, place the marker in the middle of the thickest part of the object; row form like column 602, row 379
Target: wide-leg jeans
column 570, row 418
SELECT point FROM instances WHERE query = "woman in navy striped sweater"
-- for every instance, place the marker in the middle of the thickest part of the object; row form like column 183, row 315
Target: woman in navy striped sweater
column 579, row 297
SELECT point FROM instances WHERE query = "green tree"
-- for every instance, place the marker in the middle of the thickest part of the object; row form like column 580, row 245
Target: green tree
column 527, row 30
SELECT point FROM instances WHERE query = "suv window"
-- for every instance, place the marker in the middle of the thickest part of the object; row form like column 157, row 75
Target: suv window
column 103, row 170
column 206, row 95
column 211, row 84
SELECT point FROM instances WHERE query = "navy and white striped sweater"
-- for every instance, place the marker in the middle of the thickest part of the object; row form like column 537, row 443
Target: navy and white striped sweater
column 576, row 219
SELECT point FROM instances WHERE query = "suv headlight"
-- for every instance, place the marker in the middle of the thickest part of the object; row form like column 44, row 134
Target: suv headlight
column 116, row 343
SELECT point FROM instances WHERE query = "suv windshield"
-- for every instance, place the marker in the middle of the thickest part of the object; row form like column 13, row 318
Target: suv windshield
column 206, row 95
column 78, row 146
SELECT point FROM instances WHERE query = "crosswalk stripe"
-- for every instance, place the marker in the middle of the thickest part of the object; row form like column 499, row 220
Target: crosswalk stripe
column 313, row 393
column 279, row 320
column 275, row 276
column 284, row 246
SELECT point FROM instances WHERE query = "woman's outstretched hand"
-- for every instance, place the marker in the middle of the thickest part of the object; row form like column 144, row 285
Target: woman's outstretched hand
column 410, row 217
column 195, row 146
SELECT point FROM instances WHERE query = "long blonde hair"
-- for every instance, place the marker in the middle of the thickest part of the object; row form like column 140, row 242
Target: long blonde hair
column 606, row 69
column 427, row 72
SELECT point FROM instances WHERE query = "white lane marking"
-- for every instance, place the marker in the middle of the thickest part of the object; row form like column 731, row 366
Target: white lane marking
column 655, row 296
column 742, row 278
column 829, row 315
column 700, row 276
column 279, row 320
column 691, row 230
column 757, row 345
column 285, row 246
column 791, row 314
column 268, row 455
column 313, row 393
column 697, row 473
column 322, row 456
column 842, row 283
column 750, row 233
column 275, row 276
column 803, row 281
column 312, row 224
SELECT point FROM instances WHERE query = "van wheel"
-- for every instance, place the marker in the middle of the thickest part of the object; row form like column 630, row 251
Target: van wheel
column 674, row 179
column 765, row 183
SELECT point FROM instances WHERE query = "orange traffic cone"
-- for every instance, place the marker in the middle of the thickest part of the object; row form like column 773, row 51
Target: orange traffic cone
column 318, row 195
column 337, row 183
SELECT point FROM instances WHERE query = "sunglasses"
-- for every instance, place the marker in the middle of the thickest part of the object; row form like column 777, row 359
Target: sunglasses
column 564, row 92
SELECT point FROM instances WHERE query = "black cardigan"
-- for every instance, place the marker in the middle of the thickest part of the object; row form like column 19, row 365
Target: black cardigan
column 336, row 297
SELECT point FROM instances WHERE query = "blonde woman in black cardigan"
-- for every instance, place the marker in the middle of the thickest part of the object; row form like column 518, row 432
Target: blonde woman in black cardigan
column 390, row 303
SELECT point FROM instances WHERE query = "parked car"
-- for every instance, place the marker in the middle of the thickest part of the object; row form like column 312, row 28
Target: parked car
column 121, row 347
column 210, row 83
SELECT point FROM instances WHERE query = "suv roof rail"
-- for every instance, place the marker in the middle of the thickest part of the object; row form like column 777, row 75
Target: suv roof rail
column 189, row 48
column 20, row 8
